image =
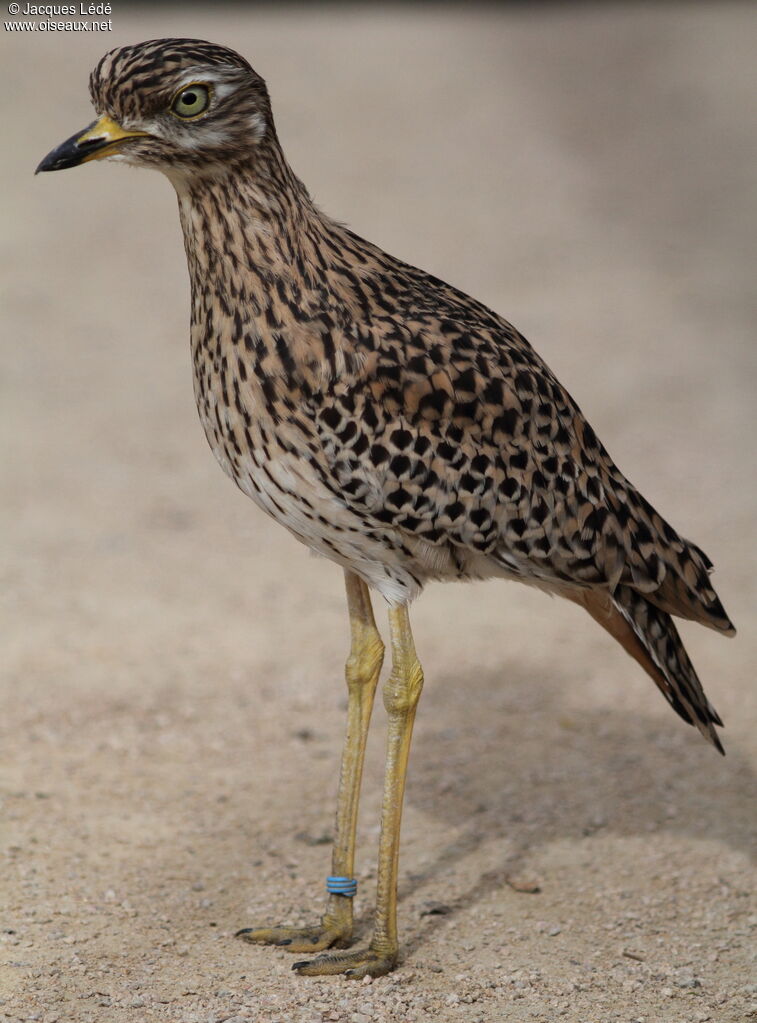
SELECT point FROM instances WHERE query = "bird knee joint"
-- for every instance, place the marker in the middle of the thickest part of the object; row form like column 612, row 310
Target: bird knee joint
column 403, row 689
column 364, row 663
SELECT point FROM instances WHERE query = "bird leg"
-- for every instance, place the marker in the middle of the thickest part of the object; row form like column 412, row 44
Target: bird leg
column 362, row 673
column 401, row 693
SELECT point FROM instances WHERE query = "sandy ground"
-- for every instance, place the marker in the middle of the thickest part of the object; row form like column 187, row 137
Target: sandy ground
column 172, row 660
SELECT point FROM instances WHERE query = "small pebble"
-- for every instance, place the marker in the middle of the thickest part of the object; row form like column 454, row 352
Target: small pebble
column 524, row 884
column 687, row 982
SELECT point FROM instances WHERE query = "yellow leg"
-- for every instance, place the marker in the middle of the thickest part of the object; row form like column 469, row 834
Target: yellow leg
column 401, row 694
column 362, row 673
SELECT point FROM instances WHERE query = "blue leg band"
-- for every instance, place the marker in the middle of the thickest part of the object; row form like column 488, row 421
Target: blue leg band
column 341, row 886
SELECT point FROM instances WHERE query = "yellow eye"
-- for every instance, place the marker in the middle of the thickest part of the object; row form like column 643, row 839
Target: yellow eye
column 191, row 101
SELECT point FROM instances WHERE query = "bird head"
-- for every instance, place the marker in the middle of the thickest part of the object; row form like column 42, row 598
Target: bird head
column 183, row 106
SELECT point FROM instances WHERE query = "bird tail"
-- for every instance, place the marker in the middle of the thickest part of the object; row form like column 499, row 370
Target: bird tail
column 649, row 635
column 687, row 591
column 654, row 559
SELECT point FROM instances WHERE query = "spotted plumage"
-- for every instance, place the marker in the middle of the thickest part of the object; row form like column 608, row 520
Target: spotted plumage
column 390, row 422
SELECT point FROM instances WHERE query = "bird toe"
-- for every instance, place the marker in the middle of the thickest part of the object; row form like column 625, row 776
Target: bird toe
column 295, row 939
column 355, row 965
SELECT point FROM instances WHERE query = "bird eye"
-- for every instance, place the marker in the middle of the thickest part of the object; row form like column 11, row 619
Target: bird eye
column 191, row 101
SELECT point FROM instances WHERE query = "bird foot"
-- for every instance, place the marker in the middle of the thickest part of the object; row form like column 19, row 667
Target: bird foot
column 355, row 965
column 297, row 939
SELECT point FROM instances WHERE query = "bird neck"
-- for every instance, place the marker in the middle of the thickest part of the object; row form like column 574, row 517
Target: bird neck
column 251, row 226
column 269, row 275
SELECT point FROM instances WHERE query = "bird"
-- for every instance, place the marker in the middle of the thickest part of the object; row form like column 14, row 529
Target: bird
column 391, row 423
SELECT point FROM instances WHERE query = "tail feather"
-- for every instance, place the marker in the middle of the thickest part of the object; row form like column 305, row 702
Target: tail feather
column 649, row 635
column 686, row 590
column 672, row 572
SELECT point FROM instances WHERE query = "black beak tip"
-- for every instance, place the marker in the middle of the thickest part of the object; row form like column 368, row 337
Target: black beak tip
column 64, row 156
column 44, row 165
column 71, row 152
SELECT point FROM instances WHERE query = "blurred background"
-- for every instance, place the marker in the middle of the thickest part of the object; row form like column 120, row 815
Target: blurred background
column 585, row 169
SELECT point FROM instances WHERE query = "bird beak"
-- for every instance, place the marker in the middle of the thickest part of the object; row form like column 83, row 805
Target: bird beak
column 102, row 138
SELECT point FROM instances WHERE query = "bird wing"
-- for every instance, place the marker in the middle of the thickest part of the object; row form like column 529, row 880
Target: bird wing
column 448, row 427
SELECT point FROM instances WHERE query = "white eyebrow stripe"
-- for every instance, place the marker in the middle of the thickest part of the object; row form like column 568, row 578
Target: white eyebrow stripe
column 223, row 89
